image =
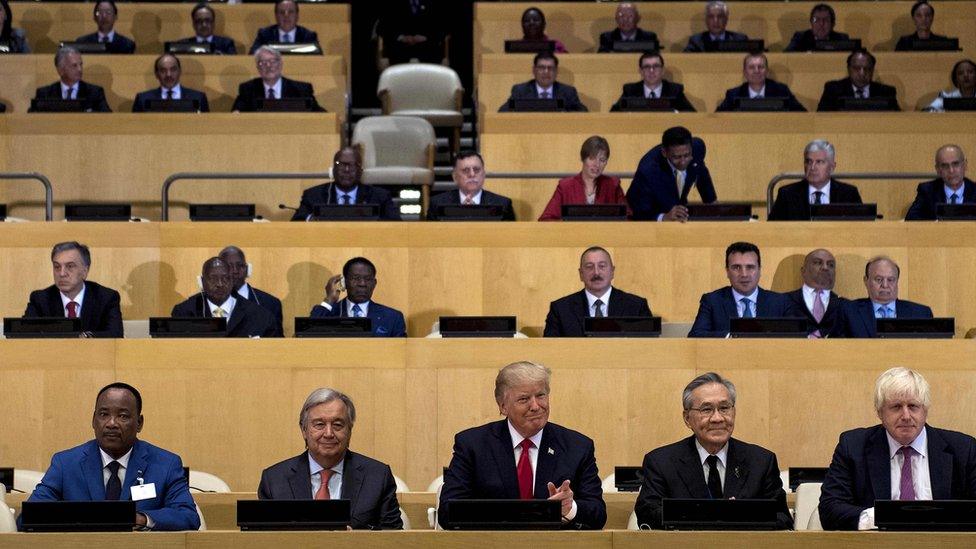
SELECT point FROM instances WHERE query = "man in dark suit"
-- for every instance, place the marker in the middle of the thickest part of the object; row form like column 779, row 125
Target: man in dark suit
column 951, row 187
column 240, row 271
column 858, row 317
column 105, row 13
column 653, row 85
column 755, row 69
column 904, row 458
column 116, row 465
column 524, row 456
column 793, row 201
column 287, row 30
column 627, row 18
column 168, row 70
column 346, row 188
column 710, row 464
column 244, row 319
column 598, row 298
column 204, row 17
column 857, row 85
column 413, row 29
column 822, row 20
column 668, row 176
column 358, row 278
column 816, row 298
column 68, row 62
column 545, row 67
column 328, row 469
column 469, row 176
column 73, row 296
column 743, row 299
column 716, row 20
column 271, row 84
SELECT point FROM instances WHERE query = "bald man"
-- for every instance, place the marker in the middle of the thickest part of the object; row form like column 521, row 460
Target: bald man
column 218, row 300
column 818, row 274
column 951, row 187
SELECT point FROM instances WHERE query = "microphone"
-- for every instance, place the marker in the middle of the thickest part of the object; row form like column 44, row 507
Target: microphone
column 286, row 207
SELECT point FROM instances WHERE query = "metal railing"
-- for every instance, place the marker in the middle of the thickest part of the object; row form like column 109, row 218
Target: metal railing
column 48, row 192
column 231, row 175
column 863, row 175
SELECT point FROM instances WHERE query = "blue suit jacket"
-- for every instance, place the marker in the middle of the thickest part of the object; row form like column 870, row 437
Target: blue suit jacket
column 143, row 98
column 717, row 308
column 76, row 475
column 860, row 472
column 387, row 321
column 483, row 467
column 857, row 317
column 654, row 190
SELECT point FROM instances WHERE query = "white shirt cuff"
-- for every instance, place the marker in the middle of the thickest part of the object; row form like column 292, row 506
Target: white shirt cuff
column 572, row 512
column 660, row 217
column 326, row 305
column 866, row 520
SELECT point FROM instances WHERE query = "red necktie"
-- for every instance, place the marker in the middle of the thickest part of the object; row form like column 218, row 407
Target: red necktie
column 525, row 470
column 324, row 476
column 72, row 309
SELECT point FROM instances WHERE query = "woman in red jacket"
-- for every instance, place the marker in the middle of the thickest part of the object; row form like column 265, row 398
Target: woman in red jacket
column 589, row 186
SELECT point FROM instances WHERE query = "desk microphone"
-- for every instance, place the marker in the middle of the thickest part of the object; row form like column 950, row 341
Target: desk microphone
column 285, row 207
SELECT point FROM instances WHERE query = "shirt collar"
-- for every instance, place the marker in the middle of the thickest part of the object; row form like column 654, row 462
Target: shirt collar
column 290, row 34
column 228, row 306
column 753, row 297
column 866, row 89
column 475, row 199
column 353, row 194
column 716, row 37
column 812, row 292
column 949, row 192
column 518, row 438
column 79, row 299
column 123, row 461
column 761, row 92
column 364, row 306
column 205, row 39
column 674, row 170
column 875, row 305
column 276, row 86
column 703, row 453
column 110, row 36
column 631, row 36
column 65, row 87
column 174, row 92
column 244, row 291
column 314, row 467
column 825, row 189
column 605, row 298
column 657, row 90
column 920, row 444
column 539, row 89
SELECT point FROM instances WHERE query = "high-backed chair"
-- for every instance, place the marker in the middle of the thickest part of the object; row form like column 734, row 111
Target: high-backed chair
column 7, row 521
column 610, row 484
column 432, row 92
column 396, row 150
column 807, row 502
column 206, row 482
column 26, row 480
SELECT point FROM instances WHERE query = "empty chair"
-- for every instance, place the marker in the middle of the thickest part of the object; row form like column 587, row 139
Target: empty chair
column 807, row 500
column 26, row 480
column 7, row 521
column 610, row 484
column 206, row 482
column 396, row 150
column 432, row 92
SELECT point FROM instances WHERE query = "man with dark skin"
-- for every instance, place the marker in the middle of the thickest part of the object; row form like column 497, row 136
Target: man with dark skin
column 244, row 319
column 168, row 71
column 818, row 273
column 105, row 14
column 240, row 270
column 358, row 279
column 346, row 188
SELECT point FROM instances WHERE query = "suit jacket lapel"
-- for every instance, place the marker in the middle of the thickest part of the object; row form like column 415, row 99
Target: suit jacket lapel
column 762, row 303
column 581, row 309
column 352, row 481
column 91, row 467
column 940, row 466
column 879, row 464
column 88, row 307
column 300, row 478
column 237, row 315
column 690, row 470
column 866, row 309
column 731, row 310
column 736, row 470
column 54, row 302
column 504, row 454
column 968, row 191
column 550, row 451
column 138, row 464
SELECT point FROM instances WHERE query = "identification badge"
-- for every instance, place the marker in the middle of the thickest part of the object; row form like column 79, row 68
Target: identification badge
column 143, row 491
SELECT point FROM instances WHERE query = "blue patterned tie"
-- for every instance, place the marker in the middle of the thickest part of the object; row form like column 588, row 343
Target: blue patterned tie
column 357, row 311
column 746, row 310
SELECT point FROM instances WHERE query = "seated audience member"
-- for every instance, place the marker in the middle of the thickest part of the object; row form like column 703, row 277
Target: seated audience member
column 286, row 30
column 469, row 176
column 68, row 62
column 240, row 270
column 816, row 298
column 859, row 84
column 903, row 458
column 951, row 187
column 793, row 201
column 822, row 21
column 105, row 14
column 346, row 188
column 589, row 186
column 545, row 68
column 857, row 317
column 668, row 176
column 922, row 15
column 358, row 278
column 652, row 85
column 111, row 465
column 627, row 18
column 597, row 298
column 524, row 456
column 204, row 18
column 168, row 70
column 709, row 464
column 74, row 296
column 413, row 29
column 271, row 84
column 534, row 28
column 743, row 299
column 12, row 40
column 328, row 469
column 217, row 300
column 963, row 77
column 716, row 21
column 758, row 85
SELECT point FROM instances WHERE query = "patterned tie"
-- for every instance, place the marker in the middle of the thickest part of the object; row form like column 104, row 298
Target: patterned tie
column 714, row 481
column 818, row 197
column 651, row 95
column 746, row 310
column 70, row 92
column 357, row 311
column 859, row 93
column 544, row 95
column 218, row 313
column 525, row 470
column 324, row 476
column 271, row 93
column 818, row 306
column 113, row 489
column 679, row 179
column 468, row 201
column 907, row 485
column 72, row 309
column 598, row 309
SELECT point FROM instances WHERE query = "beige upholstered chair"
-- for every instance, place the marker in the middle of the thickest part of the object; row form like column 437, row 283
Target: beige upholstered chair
column 396, row 150
column 807, row 515
column 432, row 92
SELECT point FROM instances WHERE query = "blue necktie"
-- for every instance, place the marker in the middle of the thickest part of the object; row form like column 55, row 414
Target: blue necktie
column 357, row 311
column 344, row 199
column 885, row 311
column 746, row 310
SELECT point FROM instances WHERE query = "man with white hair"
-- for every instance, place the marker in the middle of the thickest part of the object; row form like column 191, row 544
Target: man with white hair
column 901, row 459
column 627, row 18
column 716, row 21
column 817, row 187
column 271, row 85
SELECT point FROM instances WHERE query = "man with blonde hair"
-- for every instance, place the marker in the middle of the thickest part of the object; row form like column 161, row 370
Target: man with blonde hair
column 901, row 459
column 524, row 456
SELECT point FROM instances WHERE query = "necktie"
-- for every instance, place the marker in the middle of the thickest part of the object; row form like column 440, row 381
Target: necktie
column 746, row 310
column 525, row 470
column 344, row 199
column 679, row 179
column 218, row 313
column 167, row 94
column 468, row 201
column 69, row 93
column 113, row 489
column 818, row 197
column 103, row 39
column 357, row 311
column 907, row 485
column 324, row 476
column 714, row 481
column 859, row 93
column 598, row 309
column 954, row 198
column 818, row 306
column 271, row 93
column 414, row 6
column 651, row 95
column 72, row 309
column 544, row 95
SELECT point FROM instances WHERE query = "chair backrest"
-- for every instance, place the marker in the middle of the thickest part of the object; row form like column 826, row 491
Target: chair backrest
column 26, row 480
column 401, row 486
column 203, row 522
column 394, row 141
column 610, row 484
column 632, row 521
column 7, row 521
column 419, row 86
column 784, row 477
column 807, row 500
column 207, row 482
column 436, row 484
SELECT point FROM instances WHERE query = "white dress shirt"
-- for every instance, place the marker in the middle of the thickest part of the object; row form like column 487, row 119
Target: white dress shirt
column 533, row 457
column 287, row 37
column 657, row 90
column 335, row 481
column 69, row 92
column 865, row 91
column 754, row 94
column 540, row 90
column 227, row 307
column 176, row 92
column 753, row 302
column 79, row 299
column 475, row 199
column 812, row 198
column 958, row 192
column 722, row 456
column 605, row 298
column 110, row 37
column 809, row 294
column 921, row 479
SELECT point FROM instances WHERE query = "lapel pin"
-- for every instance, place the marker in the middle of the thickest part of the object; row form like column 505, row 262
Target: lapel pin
column 552, row 452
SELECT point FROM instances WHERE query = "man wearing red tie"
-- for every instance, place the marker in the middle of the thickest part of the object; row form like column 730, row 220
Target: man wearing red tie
column 524, row 456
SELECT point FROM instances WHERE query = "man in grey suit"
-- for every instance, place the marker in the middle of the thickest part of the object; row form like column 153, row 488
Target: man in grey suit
column 716, row 19
column 545, row 68
column 469, row 176
column 327, row 469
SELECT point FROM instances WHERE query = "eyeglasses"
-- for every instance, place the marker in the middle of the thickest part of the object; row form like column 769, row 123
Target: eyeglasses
column 725, row 410
column 268, row 63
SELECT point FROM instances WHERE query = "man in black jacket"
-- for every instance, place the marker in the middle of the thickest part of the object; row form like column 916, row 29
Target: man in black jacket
column 951, row 187
column 822, row 21
column 346, row 188
column 105, row 13
column 217, row 300
column 859, row 84
column 758, row 85
column 653, row 85
column 816, row 297
column 240, row 271
column 627, row 18
column 469, row 176
column 545, row 69
column 68, row 62
column 272, row 85
column 793, row 201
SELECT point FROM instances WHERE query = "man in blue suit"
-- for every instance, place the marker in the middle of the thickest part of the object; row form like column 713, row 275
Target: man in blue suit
column 951, row 187
column 668, row 175
column 287, row 30
column 904, row 458
column 743, row 299
column 119, row 466
column 204, row 17
column 240, row 271
column 545, row 68
column 524, row 456
column 359, row 279
column 168, row 71
column 858, row 317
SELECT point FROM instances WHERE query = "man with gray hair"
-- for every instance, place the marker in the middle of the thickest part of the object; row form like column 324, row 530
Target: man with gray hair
column 271, row 85
column 328, row 469
column 793, row 201
column 710, row 464
column 74, row 296
column 716, row 19
column 627, row 18
column 951, row 187
column 524, row 456
column 903, row 458
column 70, row 85
column 858, row 317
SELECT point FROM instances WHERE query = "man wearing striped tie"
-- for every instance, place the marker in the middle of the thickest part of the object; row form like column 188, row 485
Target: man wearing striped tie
column 951, row 187
column 358, row 279
column 858, row 317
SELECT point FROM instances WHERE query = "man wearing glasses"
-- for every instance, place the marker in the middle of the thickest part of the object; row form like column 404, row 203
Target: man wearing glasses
column 346, row 188
column 710, row 464
column 654, row 86
column 545, row 70
column 270, row 85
